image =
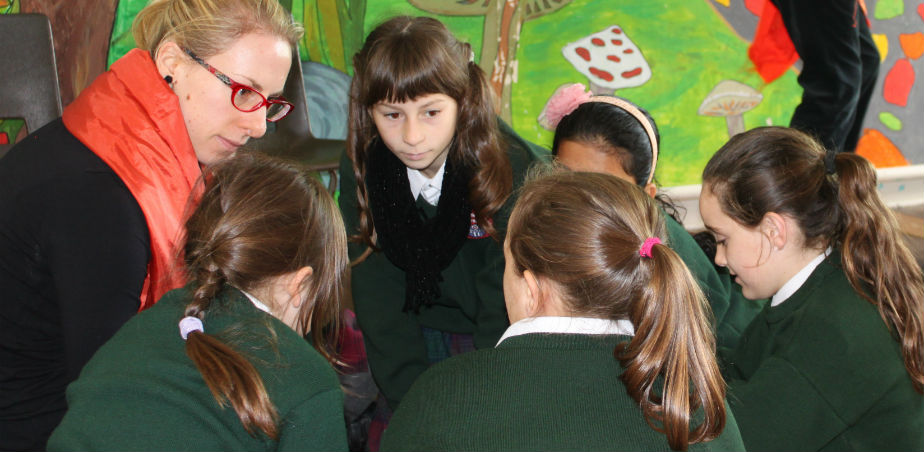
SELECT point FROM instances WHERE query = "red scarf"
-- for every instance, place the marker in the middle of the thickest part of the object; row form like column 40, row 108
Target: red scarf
column 131, row 119
column 772, row 51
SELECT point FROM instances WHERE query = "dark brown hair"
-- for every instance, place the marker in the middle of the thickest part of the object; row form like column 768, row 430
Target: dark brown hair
column 408, row 57
column 584, row 231
column 261, row 218
column 782, row 170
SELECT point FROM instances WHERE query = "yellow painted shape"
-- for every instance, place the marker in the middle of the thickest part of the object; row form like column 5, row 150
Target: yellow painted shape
column 333, row 37
column 912, row 44
column 724, row 3
column 312, row 37
column 882, row 43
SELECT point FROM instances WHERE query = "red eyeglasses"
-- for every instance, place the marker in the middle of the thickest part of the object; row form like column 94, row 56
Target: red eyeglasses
column 245, row 98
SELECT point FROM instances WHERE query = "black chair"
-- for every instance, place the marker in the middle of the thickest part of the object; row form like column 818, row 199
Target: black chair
column 291, row 137
column 28, row 72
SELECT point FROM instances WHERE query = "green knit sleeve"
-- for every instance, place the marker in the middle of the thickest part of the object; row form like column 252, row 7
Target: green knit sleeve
column 316, row 424
column 395, row 347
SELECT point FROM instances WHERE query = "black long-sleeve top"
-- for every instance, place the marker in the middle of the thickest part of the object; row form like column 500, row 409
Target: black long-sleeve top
column 74, row 250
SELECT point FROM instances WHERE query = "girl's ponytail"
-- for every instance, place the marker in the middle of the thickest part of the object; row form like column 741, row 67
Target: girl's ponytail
column 260, row 219
column 492, row 181
column 231, row 378
column 876, row 261
column 670, row 365
column 597, row 238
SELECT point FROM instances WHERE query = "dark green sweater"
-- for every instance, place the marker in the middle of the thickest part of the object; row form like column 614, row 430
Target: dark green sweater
column 142, row 392
column 822, row 372
column 533, row 392
column 472, row 300
column 731, row 311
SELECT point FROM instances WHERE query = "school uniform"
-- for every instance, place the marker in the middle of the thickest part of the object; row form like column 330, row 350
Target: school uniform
column 142, row 392
column 471, row 299
column 552, row 383
column 818, row 369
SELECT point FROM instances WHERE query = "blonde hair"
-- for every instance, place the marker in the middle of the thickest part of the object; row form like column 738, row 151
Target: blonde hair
column 207, row 27
column 584, row 232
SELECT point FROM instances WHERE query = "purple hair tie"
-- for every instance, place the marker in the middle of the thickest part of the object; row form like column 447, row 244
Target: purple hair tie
column 645, row 250
column 189, row 324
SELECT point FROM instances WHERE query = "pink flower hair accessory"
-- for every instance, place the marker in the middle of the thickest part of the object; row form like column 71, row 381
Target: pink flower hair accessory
column 650, row 242
column 563, row 101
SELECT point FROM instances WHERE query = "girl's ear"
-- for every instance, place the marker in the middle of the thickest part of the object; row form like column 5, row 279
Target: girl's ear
column 776, row 229
column 533, row 294
column 650, row 189
column 296, row 283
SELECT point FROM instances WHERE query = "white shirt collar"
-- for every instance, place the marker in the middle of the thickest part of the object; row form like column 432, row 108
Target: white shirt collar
column 434, row 186
column 568, row 325
column 798, row 279
column 257, row 303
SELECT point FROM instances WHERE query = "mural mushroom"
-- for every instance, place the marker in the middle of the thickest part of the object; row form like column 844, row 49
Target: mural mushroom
column 609, row 60
column 730, row 99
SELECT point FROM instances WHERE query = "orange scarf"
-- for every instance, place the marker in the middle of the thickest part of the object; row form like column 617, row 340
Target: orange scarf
column 131, row 119
column 772, row 51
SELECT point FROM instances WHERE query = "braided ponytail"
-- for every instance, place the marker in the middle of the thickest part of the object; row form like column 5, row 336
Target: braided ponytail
column 260, row 218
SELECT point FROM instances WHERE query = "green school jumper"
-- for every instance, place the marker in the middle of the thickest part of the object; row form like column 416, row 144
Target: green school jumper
column 821, row 371
column 472, row 300
column 534, row 392
column 731, row 311
column 142, row 392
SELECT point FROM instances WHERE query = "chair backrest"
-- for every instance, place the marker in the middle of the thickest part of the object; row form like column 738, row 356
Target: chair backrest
column 291, row 137
column 295, row 127
column 28, row 72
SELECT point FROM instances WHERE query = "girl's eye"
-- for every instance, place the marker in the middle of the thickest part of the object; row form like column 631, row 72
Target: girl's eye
column 390, row 115
column 431, row 113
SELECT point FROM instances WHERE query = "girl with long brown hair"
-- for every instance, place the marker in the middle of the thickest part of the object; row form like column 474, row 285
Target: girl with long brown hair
column 836, row 360
column 223, row 363
column 427, row 181
column 610, row 346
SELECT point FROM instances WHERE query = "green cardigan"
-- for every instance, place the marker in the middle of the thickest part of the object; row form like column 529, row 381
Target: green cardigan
column 731, row 311
column 821, row 371
column 541, row 392
column 472, row 300
column 142, row 392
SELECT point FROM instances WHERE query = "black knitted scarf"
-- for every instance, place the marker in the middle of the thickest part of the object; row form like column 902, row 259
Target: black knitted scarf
column 423, row 247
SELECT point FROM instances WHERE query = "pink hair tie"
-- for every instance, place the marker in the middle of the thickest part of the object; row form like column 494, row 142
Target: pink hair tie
column 650, row 242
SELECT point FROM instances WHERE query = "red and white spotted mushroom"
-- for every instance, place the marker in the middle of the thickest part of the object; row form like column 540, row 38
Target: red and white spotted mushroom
column 609, row 60
column 730, row 99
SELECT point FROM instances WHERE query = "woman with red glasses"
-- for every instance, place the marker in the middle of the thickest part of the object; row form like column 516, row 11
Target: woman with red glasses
column 92, row 204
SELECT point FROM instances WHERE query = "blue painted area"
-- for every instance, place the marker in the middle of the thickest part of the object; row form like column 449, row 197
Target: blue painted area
column 327, row 90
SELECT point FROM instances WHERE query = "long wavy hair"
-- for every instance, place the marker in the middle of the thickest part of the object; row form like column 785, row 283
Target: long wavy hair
column 584, row 231
column 261, row 218
column 783, row 170
column 408, row 57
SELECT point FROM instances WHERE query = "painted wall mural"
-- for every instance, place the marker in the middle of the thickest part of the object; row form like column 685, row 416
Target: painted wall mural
column 683, row 60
